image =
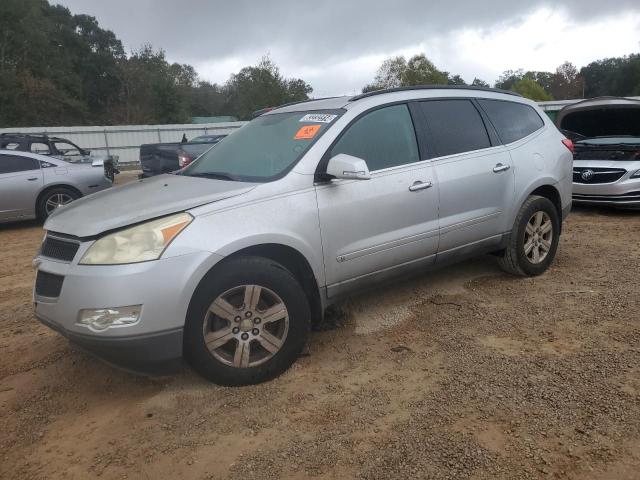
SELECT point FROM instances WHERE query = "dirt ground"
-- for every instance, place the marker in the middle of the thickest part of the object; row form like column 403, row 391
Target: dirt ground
column 463, row 373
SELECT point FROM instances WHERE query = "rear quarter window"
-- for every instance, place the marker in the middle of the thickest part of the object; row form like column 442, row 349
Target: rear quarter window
column 513, row 121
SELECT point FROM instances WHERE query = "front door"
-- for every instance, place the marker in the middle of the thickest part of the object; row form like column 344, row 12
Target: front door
column 378, row 226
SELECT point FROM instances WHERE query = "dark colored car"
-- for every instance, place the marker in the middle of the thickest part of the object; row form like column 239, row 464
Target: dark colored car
column 60, row 148
column 159, row 158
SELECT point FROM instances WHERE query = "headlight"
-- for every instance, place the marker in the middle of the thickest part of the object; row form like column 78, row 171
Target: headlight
column 141, row 243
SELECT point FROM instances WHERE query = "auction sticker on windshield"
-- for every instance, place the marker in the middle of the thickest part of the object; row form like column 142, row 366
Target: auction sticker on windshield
column 307, row 132
column 318, row 118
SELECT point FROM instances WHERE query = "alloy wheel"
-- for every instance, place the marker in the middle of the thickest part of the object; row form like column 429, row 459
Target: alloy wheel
column 246, row 326
column 57, row 200
column 538, row 237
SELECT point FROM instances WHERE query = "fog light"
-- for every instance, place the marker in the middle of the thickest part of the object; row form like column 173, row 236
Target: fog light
column 100, row 319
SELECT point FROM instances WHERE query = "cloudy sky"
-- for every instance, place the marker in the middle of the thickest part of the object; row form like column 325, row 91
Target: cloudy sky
column 337, row 45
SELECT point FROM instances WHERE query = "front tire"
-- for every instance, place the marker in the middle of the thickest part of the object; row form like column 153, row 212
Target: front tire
column 247, row 322
column 54, row 198
column 534, row 238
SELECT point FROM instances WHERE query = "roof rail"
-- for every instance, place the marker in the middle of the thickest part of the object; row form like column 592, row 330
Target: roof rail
column 18, row 134
column 432, row 87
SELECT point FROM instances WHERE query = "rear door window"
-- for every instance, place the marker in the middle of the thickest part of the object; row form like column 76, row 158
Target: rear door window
column 455, row 126
column 14, row 163
column 383, row 138
column 513, row 121
column 67, row 149
column 41, row 148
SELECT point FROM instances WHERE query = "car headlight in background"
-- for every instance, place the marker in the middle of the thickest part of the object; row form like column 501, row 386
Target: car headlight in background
column 141, row 243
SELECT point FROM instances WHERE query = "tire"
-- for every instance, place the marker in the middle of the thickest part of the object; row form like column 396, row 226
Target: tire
column 230, row 327
column 520, row 260
column 59, row 195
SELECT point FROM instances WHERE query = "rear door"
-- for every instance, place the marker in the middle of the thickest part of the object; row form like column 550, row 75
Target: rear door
column 473, row 170
column 20, row 181
column 385, row 223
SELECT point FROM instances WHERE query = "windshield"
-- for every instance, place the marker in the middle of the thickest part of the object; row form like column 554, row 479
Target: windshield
column 265, row 148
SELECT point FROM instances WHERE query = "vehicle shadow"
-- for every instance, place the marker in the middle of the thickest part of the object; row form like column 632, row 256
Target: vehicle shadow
column 19, row 225
column 605, row 211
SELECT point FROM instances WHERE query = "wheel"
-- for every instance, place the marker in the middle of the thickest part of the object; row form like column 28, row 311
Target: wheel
column 247, row 322
column 54, row 198
column 534, row 238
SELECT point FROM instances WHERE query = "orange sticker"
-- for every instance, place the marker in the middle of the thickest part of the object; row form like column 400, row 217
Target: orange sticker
column 307, row 132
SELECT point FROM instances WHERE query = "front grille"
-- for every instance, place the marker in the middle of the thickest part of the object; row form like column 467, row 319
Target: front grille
column 48, row 284
column 597, row 175
column 60, row 248
column 623, row 198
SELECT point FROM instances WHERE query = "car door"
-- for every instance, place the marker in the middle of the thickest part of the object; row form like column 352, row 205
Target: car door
column 473, row 170
column 381, row 225
column 20, row 182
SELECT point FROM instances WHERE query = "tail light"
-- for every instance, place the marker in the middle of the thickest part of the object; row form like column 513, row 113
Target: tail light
column 184, row 159
column 569, row 144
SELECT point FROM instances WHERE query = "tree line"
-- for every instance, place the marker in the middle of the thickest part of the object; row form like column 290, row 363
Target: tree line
column 57, row 68
column 62, row 69
column 618, row 76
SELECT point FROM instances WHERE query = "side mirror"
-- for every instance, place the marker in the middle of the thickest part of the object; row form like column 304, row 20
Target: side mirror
column 348, row 167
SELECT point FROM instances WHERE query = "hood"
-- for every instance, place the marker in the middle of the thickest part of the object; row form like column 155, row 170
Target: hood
column 138, row 201
column 600, row 117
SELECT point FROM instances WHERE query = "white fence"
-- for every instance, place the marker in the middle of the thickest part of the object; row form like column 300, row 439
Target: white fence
column 125, row 140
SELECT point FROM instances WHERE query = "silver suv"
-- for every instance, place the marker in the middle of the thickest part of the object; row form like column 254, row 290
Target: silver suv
column 231, row 261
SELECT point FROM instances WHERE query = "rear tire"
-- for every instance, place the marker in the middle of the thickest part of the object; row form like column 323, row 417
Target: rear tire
column 534, row 238
column 247, row 322
column 52, row 199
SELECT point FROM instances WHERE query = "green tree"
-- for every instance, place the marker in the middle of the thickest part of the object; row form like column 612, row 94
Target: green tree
column 566, row 82
column 455, row 80
column 262, row 86
column 398, row 72
column 531, row 89
column 155, row 91
column 477, row 82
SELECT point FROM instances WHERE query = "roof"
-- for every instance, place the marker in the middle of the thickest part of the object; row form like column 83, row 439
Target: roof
column 433, row 87
column 335, row 103
column 331, row 103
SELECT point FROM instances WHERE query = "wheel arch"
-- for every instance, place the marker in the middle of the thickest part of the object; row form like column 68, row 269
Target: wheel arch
column 291, row 259
column 553, row 195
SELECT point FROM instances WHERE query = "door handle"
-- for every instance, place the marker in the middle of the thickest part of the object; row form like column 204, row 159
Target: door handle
column 501, row 168
column 418, row 185
column 32, row 179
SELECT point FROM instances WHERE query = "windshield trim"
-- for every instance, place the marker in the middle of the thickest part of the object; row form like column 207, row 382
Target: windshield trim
column 251, row 179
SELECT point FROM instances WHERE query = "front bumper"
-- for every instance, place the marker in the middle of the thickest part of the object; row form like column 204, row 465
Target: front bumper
column 630, row 200
column 163, row 287
column 152, row 354
column 622, row 193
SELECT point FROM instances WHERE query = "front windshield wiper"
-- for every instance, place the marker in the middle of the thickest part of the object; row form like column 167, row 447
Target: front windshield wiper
column 213, row 175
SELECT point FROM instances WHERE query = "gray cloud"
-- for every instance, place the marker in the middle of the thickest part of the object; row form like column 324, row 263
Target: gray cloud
column 304, row 34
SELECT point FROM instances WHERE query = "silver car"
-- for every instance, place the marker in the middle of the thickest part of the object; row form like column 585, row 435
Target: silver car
column 33, row 185
column 606, row 135
column 230, row 262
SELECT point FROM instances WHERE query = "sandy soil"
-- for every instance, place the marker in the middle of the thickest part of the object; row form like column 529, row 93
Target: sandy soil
column 463, row 373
